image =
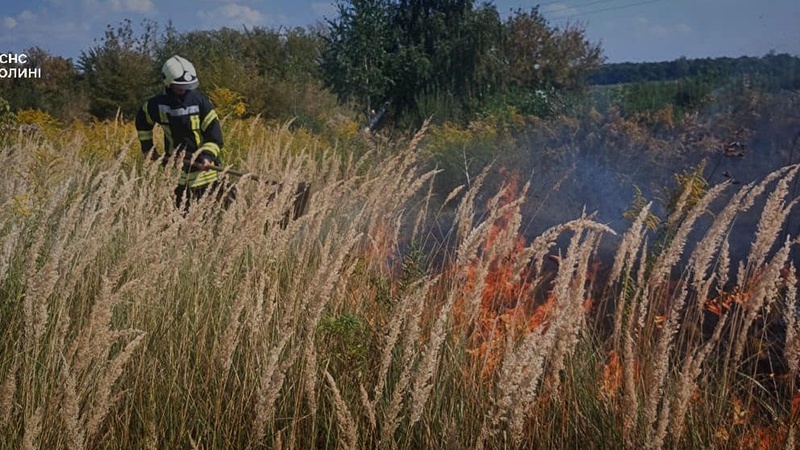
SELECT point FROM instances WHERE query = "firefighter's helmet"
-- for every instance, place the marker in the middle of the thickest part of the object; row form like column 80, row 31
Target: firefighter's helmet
column 179, row 71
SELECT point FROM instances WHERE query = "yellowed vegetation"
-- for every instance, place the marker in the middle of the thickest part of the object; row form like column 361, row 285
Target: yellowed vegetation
column 126, row 324
column 228, row 102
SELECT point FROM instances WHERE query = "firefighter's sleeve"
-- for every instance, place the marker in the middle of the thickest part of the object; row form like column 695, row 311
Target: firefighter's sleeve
column 144, row 127
column 211, row 130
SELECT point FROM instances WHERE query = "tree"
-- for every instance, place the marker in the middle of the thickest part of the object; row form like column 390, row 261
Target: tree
column 58, row 90
column 121, row 71
column 413, row 54
column 455, row 49
column 540, row 56
column 356, row 63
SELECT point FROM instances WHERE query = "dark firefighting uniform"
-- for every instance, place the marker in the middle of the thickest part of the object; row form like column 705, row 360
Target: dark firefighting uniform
column 190, row 125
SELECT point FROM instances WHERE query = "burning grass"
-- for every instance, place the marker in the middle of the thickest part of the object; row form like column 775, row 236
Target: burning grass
column 125, row 324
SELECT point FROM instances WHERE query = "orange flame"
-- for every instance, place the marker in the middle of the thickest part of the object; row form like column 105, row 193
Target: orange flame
column 503, row 305
column 612, row 376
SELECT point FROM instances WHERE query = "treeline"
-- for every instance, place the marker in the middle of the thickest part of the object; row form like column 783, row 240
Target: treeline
column 268, row 72
column 397, row 60
column 381, row 62
column 772, row 71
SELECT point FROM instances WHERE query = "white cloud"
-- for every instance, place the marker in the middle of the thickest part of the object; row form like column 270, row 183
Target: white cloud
column 233, row 15
column 67, row 27
column 26, row 16
column 9, row 22
column 102, row 6
column 140, row 6
column 61, row 37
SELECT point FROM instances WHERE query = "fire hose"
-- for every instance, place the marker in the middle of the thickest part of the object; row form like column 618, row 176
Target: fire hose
column 301, row 197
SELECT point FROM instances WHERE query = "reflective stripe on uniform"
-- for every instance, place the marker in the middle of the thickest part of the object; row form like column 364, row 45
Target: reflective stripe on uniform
column 146, row 135
column 194, row 121
column 178, row 112
column 147, row 114
column 207, row 121
column 197, row 179
column 210, row 147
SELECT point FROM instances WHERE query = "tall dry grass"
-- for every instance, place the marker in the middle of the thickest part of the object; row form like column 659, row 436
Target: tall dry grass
column 126, row 324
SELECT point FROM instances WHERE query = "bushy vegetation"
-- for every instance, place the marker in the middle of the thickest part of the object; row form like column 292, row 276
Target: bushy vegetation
column 388, row 65
column 407, row 61
column 443, row 289
column 126, row 324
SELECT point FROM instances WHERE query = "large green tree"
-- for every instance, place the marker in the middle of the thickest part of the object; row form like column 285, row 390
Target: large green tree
column 449, row 58
column 545, row 61
column 421, row 57
column 450, row 52
column 119, row 71
column 541, row 55
column 357, row 60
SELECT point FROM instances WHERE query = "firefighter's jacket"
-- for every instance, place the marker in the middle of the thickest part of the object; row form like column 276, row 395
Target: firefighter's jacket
column 190, row 125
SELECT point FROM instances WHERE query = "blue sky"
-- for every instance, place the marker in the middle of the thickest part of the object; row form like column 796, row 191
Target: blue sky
column 628, row 30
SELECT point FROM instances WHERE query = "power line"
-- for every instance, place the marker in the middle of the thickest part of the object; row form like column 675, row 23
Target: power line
column 570, row 5
column 574, row 5
column 595, row 11
column 582, row 5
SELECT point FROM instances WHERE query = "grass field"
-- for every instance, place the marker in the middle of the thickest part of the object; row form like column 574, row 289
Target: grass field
column 125, row 324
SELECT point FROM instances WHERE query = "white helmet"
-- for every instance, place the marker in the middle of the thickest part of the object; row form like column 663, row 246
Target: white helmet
column 178, row 70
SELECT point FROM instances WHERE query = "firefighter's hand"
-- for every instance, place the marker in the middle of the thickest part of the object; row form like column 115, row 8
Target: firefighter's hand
column 202, row 164
column 199, row 164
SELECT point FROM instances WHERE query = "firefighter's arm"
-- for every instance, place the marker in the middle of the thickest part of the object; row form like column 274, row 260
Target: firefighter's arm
column 144, row 129
column 211, row 131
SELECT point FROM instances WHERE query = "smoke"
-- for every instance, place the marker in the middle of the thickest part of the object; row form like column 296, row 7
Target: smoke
column 597, row 164
column 604, row 181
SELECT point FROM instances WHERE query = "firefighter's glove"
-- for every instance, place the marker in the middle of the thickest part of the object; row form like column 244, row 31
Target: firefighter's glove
column 200, row 163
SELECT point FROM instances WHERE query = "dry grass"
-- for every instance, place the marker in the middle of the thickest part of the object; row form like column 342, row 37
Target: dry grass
column 126, row 324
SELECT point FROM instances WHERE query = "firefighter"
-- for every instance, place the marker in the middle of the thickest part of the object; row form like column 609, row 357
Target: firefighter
column 190, row 126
